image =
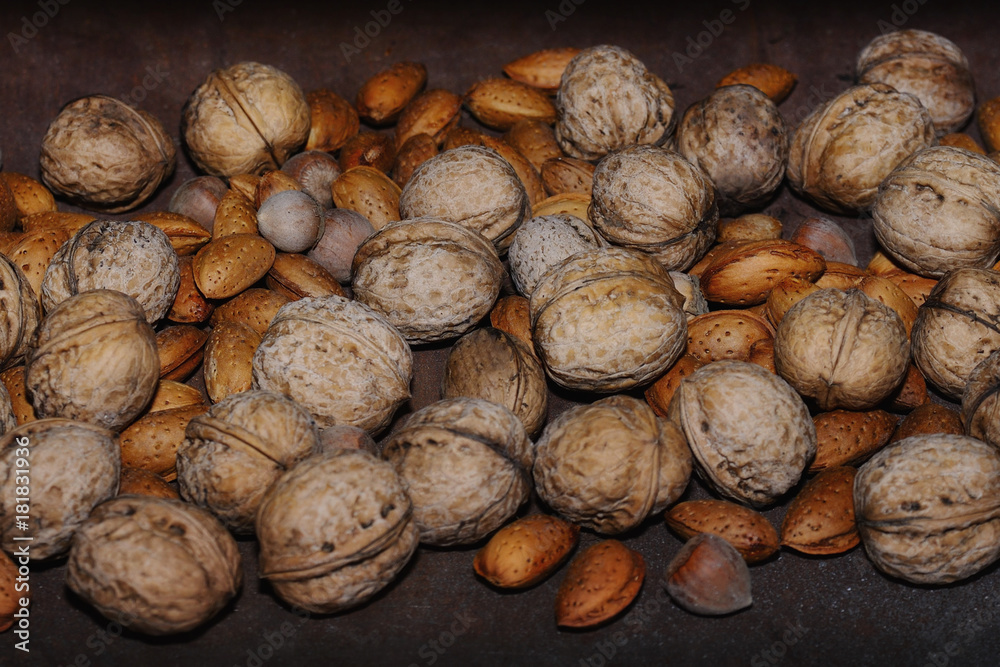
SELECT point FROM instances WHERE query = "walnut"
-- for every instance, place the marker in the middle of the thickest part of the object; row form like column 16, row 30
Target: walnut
column 74, row 466
column 611, row 464
column 466, row 465
column 334, row 530
column 842, row 150
column 104, row 154
column 980, row 416
column 166, row 565
column 926, row 508
column 739, row 138
column 653, row 200
column 750, row 433
column 940, row 210
column 543, row 242
column 246, row 119
column 234, row 452
column 608, row 100
column 20, row 313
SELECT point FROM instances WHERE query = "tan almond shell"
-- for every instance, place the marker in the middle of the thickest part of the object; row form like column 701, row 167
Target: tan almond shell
column 931, row 418
column 541, row 69
column 743, row 274
column 848, row 437
column 599, row 584
column 186, row 235
column 726, row 334
column 774, row 81
column 190, row 306
column 297, row 276
column 172, row 394
column 535, row 140
column 500, row 103
column 136, row 481
column 369, row 192
column 228, row 265
column 235, row 214
column 526, row 551
column 384, row 96
column 228, row 366
column 34, row 251
column 180, row 347
column 432, row 112
column 151, row 442
column 255, row 307
column 13, row 381
column 659, row 394
column 30, row 196
column 333, row 120
column 747, row 530
column 418, row 149
column 820, row 518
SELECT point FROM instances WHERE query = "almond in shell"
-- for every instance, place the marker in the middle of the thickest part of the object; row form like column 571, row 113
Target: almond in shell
column 744, row 275
column 846, row 437
column 541, row 69
column 228, row 265
column 726, row 334
column 929, row 419
column 500, row 103
column 820, row 519
column 229, row 359
column 432, row 112
column 172, row 394
column 190, row 306
column 572, row 203
column 841, row 276
column 828, row 239
column 10, row 596
column 255, row 308
column 69, row 222
column 961, row 140
column 369, row 192
column 526, row 551
column 888, row 293
column 774, row 81
column 916, row 287
column 13, row 381
column 659, row 394
column 510, row 314
column 535, row 140
column 762, row 354
column 988, row 115
column 911, row 394
column 333, row 121
column 270, row 184
column 368, row 149
column 599, row 584
column 30, row 196
column 186, row 235
column 296, row 276
column 235, row 214
column 418, row 149
column 246, row 185
column 749, row 227
column 34, row 252
column 786, row 294
column 180, row 347
column 136, row 481
column 152, row 441
column 384, row 96
column 747, row 530
column 567, row 174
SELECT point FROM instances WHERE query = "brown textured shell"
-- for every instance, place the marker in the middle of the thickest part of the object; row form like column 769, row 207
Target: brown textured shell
column 842, row 348
column 185, row 234
column 19, row 312
column 74, row 466
column 432, row 112
column 189, row 305
column 607, row 100
column 136, row 481
column 980, row 408
column 13, row 381
column 543, row 242
column 165, row 564
column 34, row 251
column 842, row 150
column 246, row 119
column 928, row 508
column 749, row 431
column 739, row 138
column 609, row 465
column 465, row 463
column 104, row 154
column 131, row 257
column 255, row 307
column 235, row 451
column 726, row 334
column 924, row 64
column 152, row 441
column 939, row 210
column 94, row 359
column 334, row 530
column 607, row 319
column 431, row 279
column 297, row 276
column 228, row 364
column 493, row 365
column 340, row 359
column 228, row 265
column 653, row 200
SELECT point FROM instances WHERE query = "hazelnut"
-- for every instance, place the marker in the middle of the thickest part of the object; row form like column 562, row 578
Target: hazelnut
column 197, row 198
column 343, row 231
column 708, row 576
column 270, row 184
column 291, row 220
column 315, row 171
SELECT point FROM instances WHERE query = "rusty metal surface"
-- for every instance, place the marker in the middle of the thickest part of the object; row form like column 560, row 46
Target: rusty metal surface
column 836, row 611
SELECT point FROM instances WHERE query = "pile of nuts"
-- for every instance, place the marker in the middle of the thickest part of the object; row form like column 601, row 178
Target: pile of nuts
column 301, row 270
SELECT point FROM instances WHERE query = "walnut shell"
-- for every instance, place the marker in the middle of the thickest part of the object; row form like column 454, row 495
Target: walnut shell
column 339, row 359
column 739, row 138
column 928, row 508
column 842, row 348
column 135, row 258
column 609, row 465
column 334, row 530
column 607, row 319
column 750, row 433
column 980, row 416
column 924, row 64
column 74, row 466
column 19, row 315
column 957, row 327
column 246, row 119
column 466, row 465
column 94, row 359
column 653, row 200
column 543, row 242
column 235, row 451
column 104, row 154
column 608, row 100
column 472, row 186
column 842, row 150
column 166, row 565
column 940, row 210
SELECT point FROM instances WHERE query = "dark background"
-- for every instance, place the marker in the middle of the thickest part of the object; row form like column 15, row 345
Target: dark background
column 806, row 610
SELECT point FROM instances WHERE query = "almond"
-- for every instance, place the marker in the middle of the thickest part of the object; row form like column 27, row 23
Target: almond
column 989, row 123
column 432, row 112
column 171, row 394
column 718, row 249
column 929, row 419
column 535, row 140
column 961, row 140
column 880, row 263
column 69, row 222
column 384, row 96
column 749, row 227
column 270, row 184
column 708, row 576
column 368, row 149
column 10, row 596
column 255, row 308
column 572, row 203
column 145, row 483
column 775, row 82
column 510, row 315
column 745, row 274
column 180, row 349
column 533, row 186
column 820, row 519
column 500, row 103
column 567, row 174
column 369, row 192
column 13, row 382
column 916, row 287
column 418, row 149
column 333, row 121
column 229, row 359
column 747, row 530
column 246, row 185
column 234, row 215
column 186, row 236
column 599, row 584
column 845, row 437
column 786, row 294
column 541, row 69
column 30, row 196
column 762, row 354
column 526, row 551
column 190, row 305
column 8, row 240
column 840, row 276
column 827, row 238
column 34, row 252
column 888, row 293
column 726, row 334
column 151, row 443
column 228, row 265
column 9, row 213
column 660, row 393
column 296, row 276
column 911, row 394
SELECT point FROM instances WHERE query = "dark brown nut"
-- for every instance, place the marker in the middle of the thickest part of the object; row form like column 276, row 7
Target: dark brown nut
column 20, row 314
column 567, row 174
column 139, row 482
column 511, row 314
column 432, row 112
column 820, row 518
column 13, row 381
column 979, row 402
column 368, row 149
column 291, row 220
column 750, row 433
column 924, row 64
column 526, row 551
column 930, row 419
column 842, row 349
column 339, row 359
column 245, row 119
column 608, row 100
column 236, row 450
column 535, row 140
column 828, row 239
column 607, row 319
column 198, row 198
column 135, row 258
column 541, row 243
column 74, row 467
column 315, row 171
column 347, row 437
column 689, row 287
column 333, row 121
column 939, row 210
column 709, row 577
column 466, row 465
column 842, row 150
column 10, row 595
column 599, row 584
column 653, row 200
column 343, row 232
column 928, row 508
column 609, row 465
column 190, row 306
column 296, row 276
column 747, row 530
column 911, row 394
column 228, row 366
column 418, row 149
column 164, row 564
column 391, row 276
column 957, row 327
column 94, row 359
column 384, row 96
column 471, row 186
column 104, row 154
column 335, row 530
column 988, row 117
column 845, row 437
column 255, row 308
column 490, row 364
column 739, row 138
column 180, row 349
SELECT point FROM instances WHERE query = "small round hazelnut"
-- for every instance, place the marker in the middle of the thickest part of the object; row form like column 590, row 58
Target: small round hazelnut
column 197, row 198
column 315, row 171
column 291, row 220
column 270, row 184
column 709, row 576
column 343, row 231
